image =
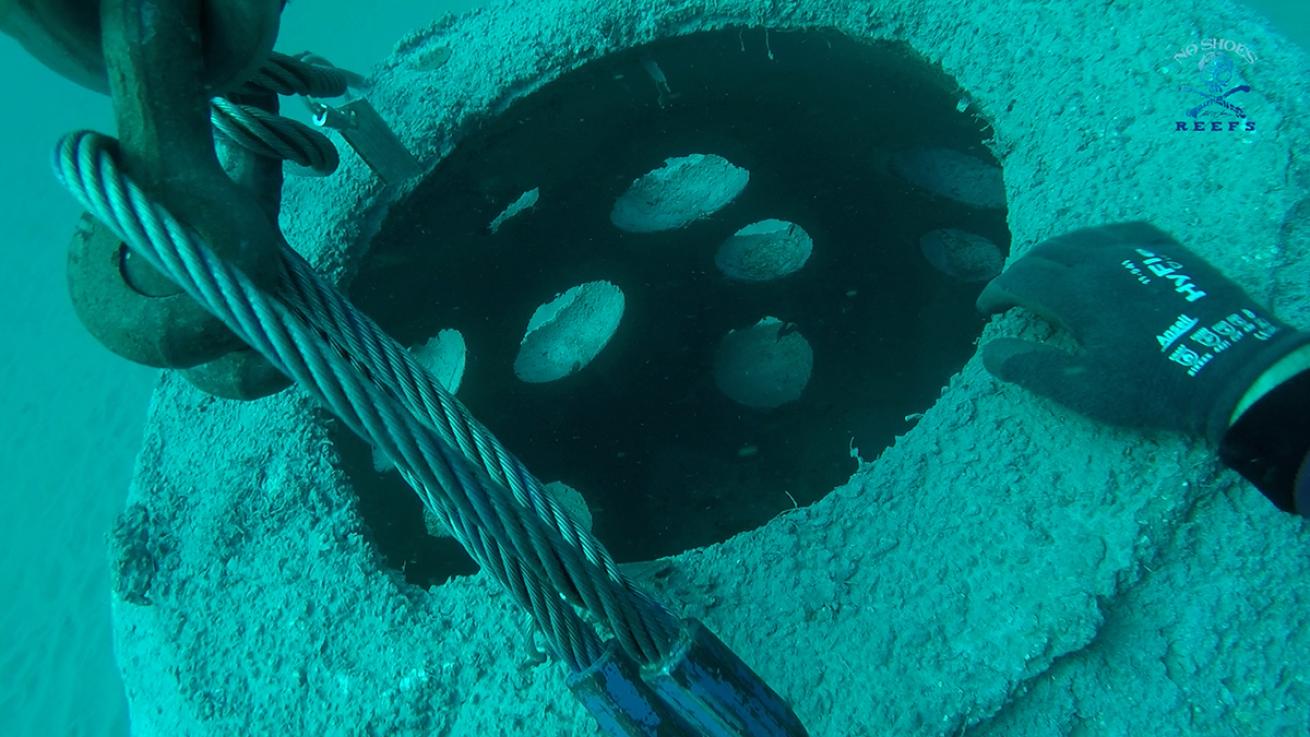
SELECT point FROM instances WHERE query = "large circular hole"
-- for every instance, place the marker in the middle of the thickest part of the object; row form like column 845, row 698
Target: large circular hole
column 521, row 211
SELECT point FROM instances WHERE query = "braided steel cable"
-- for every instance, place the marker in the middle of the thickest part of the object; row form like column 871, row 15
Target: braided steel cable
column 477, row 510
column 309, row 75
column 644, row 628
column 273, row 136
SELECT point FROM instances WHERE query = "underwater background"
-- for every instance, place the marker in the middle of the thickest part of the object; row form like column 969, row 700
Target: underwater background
column 71, row 413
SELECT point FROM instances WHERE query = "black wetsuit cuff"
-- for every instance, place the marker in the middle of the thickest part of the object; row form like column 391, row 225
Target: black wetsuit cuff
column 1269, row 444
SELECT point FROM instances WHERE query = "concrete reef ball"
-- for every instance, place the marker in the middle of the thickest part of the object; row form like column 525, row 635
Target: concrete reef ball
column 567, row 332
column 764, row 366
column 952, row 174
column 764, row 250
column 685, row 189
column 962, row 255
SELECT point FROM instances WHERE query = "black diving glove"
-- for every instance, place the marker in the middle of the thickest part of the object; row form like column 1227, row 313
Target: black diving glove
column 1167, row 342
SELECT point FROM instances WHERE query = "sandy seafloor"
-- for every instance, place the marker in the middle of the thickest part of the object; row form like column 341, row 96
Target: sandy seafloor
column 1127, row 587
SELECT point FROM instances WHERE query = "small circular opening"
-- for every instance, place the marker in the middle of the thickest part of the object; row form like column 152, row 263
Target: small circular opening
column 864, row 161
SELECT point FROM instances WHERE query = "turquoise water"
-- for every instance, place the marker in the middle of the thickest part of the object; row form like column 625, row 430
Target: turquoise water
column 74, row 415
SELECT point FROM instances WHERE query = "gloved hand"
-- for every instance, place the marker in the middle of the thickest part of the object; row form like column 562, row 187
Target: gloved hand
column 1167, row 341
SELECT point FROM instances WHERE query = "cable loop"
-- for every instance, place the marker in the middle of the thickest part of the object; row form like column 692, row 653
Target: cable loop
column 492, row 504
column 273, row 136
column 306, row 74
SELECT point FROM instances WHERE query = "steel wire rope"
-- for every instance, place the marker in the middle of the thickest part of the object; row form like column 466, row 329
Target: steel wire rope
column 644, row 627
column 86, row 167
column 305, row 74
column 273, row 136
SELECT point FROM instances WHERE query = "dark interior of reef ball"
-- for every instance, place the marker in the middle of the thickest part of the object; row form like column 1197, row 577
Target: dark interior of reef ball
column 665, row 460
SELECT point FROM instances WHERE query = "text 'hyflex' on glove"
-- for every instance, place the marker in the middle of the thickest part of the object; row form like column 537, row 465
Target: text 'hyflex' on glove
column 1166, row 340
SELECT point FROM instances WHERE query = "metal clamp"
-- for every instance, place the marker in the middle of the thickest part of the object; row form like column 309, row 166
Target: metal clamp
column 711, row 688
column 702, row 689
column 370, row 137
column 612, row 691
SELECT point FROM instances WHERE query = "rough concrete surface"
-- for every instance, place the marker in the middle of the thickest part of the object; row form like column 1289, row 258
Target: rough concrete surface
column 1004, row 566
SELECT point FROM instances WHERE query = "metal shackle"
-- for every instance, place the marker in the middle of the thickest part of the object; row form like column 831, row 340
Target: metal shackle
column 65, row 35
column 155, row 57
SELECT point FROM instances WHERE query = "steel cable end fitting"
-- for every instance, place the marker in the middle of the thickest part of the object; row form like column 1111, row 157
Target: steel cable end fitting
column 715, row 691
column 612, row 691
column 701, row 689
column 155, row 54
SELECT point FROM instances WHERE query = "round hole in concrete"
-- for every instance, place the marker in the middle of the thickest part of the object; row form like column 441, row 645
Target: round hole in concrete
column 664, row 459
